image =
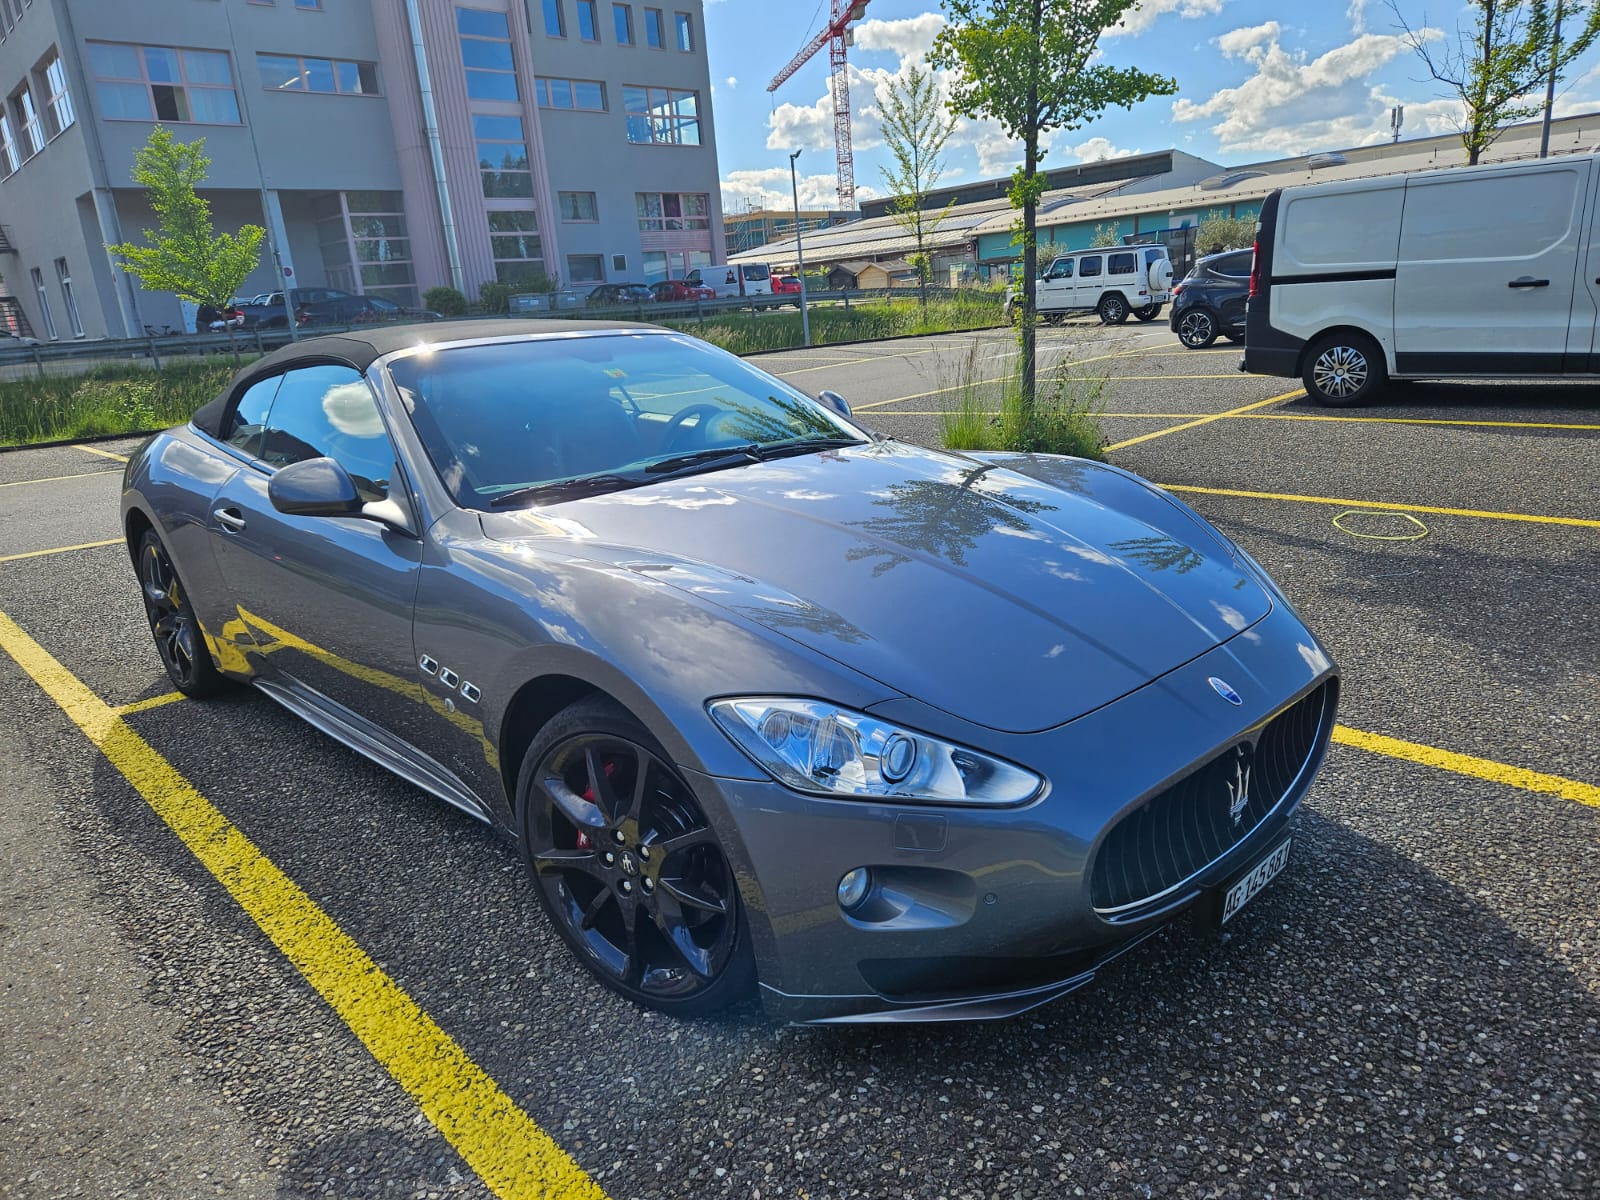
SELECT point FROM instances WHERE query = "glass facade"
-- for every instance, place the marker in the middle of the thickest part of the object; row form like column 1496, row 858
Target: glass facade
column 662, row 116
column 159, row 83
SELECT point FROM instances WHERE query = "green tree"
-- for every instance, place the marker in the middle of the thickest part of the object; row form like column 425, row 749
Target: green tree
column 1027, row 65
column 916, row 127
column 184, row 255
column 1511, row 49
column 1108, row 234
column 1219, row 232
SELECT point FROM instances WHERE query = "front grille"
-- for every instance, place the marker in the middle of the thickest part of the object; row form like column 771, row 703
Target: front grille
column 1178, row 832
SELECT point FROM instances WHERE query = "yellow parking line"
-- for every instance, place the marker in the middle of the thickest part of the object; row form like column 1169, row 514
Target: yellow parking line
column 102, row 453
column 139, row 706
column 1466, row 764
column 58, row 478
column 509, row 1152
column 1273, row 416
column 1232, row 412
column 5, row 558
column 1387, row 505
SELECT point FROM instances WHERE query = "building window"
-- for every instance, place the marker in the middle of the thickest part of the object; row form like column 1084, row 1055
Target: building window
column 579, row 208
column 655, row 265
column 309, row 5
column 653, row 35
column 8, row 146
column 47, row 322
column 502, row 156
column 58, row 110
column 588, row 21
column 659, row 211
column 662, row 116
column 159, row 83
column 584, row 95
column 514, row 241
column 555, row 24
column 486, row 54
column 685, row 31
column 364, row 244
column 65, row 276
column 619, row 263
column 292, row 73
column 585, row 268
column 622, row 18
column 27, row 117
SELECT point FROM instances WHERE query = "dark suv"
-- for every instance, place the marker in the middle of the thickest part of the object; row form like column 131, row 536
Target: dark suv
column 1210, row 300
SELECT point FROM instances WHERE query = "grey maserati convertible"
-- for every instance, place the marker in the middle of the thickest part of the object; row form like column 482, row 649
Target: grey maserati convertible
column 768, row 701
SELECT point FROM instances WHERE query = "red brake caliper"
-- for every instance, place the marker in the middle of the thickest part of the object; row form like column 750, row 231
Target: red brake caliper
column 588, row 794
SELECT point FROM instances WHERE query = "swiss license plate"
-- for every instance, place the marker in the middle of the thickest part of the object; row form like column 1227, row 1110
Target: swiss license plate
column 1260, row 875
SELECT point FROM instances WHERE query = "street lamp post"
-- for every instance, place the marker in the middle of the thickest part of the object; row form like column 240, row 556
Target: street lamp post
column 800, row 253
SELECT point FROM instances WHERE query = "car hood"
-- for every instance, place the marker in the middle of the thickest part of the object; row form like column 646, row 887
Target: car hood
column 1014, row 593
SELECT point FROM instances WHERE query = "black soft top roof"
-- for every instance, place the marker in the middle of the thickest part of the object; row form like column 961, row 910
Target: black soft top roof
column 360, row 349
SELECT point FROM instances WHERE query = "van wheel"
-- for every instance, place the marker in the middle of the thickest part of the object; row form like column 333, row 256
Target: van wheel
column 1196, row 329
column 1148, row 313
column 1113, row 309
column 1343, row 370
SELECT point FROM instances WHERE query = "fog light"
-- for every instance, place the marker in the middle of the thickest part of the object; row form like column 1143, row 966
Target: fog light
column 853, row 887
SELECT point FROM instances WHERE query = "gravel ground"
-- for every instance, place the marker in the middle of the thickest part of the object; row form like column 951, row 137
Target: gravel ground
column 1412, row 1008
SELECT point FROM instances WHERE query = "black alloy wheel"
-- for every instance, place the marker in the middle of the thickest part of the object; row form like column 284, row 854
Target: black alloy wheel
column 627, row 866
column 1197, row 329
column 1113, row 309
column 179, row 639
column 1148, row 313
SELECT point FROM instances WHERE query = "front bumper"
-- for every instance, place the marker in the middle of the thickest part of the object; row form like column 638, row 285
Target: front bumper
column 987, row 913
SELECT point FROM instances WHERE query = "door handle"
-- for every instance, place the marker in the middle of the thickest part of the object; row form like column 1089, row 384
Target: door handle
column 1528, row 281
column 230, row 519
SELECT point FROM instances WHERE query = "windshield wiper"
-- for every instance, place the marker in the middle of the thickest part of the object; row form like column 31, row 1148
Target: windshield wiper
column 678, row 462
column 565, row 489
column 806, row 445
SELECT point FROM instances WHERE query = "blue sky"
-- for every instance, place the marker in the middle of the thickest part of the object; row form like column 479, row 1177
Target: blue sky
column 1256, row 80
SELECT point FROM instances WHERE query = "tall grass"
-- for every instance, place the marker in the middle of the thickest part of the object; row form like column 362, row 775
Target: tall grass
column 1063, row 419
column 124, row 398
column 747, row 333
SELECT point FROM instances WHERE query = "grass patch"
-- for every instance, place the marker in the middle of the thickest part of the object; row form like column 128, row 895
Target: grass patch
column 110, row 399
column 1064, row 417
column 746, row 333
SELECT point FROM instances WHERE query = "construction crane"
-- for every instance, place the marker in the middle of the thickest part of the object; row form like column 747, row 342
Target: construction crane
column 836, row 37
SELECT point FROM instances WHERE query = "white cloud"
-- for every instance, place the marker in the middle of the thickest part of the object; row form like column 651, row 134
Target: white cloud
column 1136, row 20
column 1357, row 16
column 1293, row 104
column 909, row 38
column 1098, row 148
column 732, row 82
column 769, row 188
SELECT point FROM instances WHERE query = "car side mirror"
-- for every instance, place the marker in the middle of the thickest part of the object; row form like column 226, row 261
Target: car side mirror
column 314, row 487
column 836, row 402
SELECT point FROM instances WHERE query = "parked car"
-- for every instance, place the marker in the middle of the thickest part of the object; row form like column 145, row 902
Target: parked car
column 1467, row 273
column 746, row 279
column 10, row 340
column 771, row 703
column 1113, row 282
column 620, row 293
column 210, row 319
column 270, row 314
column 787, row 285
column 1209, row 301
column 359, row 310
column 681, row 289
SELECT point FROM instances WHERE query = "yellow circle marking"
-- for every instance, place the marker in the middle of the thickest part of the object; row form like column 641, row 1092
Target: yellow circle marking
column 1380, row 537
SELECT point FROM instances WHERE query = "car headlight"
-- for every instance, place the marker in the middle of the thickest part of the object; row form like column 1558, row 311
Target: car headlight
column 821, row 748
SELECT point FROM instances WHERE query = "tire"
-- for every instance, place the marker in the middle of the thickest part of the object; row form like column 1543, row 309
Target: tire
column 1055, row 318
column 1197, row 329
column 1148, row 313
column 1344, row 370
column 1113, row 309
column 180, row 641
column 661, row 922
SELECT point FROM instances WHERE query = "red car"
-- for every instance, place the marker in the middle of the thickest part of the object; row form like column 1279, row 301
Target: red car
column 681, row 289
column 786, row 285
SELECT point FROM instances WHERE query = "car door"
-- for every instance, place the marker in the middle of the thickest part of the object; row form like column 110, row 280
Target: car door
column 327, row 601
column 1486, row 268
column 1230, row 287
column 1055, row 286
column 1091, row 278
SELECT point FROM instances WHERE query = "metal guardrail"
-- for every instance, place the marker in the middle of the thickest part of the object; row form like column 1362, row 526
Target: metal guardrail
column 158, row 349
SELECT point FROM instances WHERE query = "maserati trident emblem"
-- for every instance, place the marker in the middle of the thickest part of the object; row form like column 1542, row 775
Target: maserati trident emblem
column 1239, row 786
column 1221, row 688
column 629, row 866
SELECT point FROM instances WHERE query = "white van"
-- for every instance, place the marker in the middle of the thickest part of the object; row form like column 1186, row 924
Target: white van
column 1466, row 273
column 1113, row 282
column 746, row 279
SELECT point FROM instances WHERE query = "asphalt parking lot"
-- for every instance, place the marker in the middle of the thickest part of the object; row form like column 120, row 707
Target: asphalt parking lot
column 1412, row 1008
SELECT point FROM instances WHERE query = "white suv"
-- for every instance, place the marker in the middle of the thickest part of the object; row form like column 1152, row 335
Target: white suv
column 1113, row 282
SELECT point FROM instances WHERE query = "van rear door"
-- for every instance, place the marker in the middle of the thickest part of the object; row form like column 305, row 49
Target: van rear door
column 1486, row 269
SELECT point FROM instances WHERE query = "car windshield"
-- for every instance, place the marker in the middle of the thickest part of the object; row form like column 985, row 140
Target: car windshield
column 539, row 420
